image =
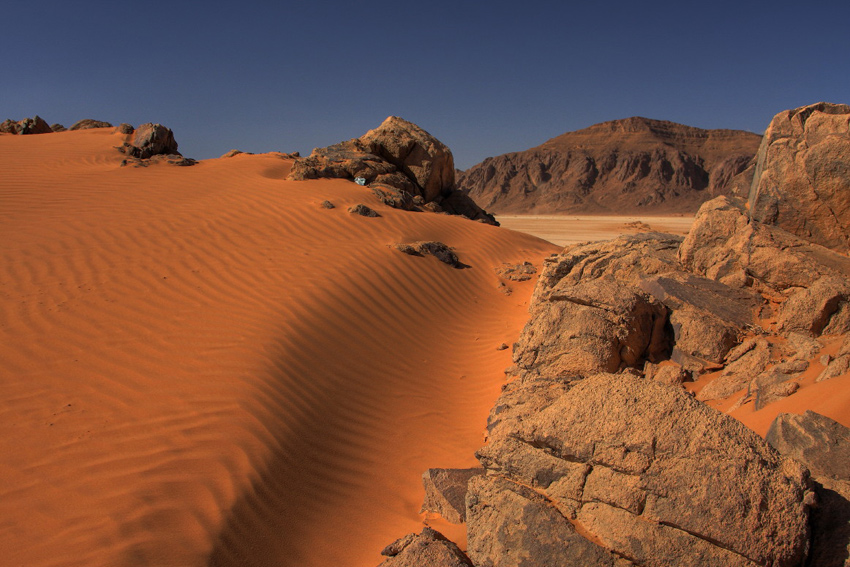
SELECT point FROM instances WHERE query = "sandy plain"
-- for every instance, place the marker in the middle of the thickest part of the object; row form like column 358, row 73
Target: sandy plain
column 203, row 366
column 573, row 229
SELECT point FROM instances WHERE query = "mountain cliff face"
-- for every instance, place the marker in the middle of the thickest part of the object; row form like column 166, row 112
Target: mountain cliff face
column 614, row 167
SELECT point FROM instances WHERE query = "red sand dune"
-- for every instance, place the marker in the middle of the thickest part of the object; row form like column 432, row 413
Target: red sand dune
column 202, row 366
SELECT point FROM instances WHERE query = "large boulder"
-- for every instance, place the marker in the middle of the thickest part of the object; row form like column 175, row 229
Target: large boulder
column 648, row 473
column 421, row 157
column 802, row 178
column 823, row 445
column 427, row 549
column 151, row 140
column 726, row 245
column 406, row 167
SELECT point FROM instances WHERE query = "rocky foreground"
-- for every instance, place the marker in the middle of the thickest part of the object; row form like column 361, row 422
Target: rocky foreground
column 597, row 454
column 636, row 164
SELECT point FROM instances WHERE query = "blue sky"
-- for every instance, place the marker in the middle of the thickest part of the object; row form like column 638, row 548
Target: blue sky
column 484, row 77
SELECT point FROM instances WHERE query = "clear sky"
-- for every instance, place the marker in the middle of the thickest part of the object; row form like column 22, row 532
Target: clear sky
column 485, row 77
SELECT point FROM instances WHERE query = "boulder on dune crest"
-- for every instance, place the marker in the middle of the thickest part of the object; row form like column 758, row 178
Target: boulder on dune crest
column 151, row 140
column 88, row 123
column 34, row 125
column 401, row 162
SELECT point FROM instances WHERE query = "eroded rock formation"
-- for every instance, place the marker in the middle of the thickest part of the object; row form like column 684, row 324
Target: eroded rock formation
column 802, row 181
column 405, row 166
column 616, row 166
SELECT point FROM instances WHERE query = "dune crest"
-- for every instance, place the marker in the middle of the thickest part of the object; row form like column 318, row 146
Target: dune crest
column 205, row 366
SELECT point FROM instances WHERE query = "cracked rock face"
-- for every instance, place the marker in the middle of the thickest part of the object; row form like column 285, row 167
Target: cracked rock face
column 624, row 462
column 802, row 178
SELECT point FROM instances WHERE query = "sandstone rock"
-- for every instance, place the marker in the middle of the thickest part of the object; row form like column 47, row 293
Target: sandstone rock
column 88, row 123
column 738, row 374
column 609, row 167
column 820, row 308
column 591, row 326
column 445, row 492
column 327, row 205
column 427, row 549
column 509, row 525
column 820, row 443
column 517, row 272
column 725, row 245
column 706, row 316
column 151, row 140
column 34, row 125
column 58, row 127
column 405, row 166
column 671, row 374
column 802, row 177
column 837, row 367
column 125, row 128
column 363, row 210
column 648, row 472
column 802, row 345
column 419, row 156
column 232, row 153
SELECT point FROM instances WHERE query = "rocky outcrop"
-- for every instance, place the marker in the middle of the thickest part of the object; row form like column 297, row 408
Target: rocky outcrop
column 405, row 166
column 445, row 492
column 88, row 123
column 617, row 166
column 427, row 549
column 802, row 180
column 151, row 140
column 626, row 461
column 34, row 125
column 823, row 446
column 605, row 306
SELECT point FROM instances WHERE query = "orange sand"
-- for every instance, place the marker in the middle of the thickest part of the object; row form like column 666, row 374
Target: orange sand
column 201, row 366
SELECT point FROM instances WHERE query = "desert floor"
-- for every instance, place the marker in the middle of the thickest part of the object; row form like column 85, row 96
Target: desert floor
column 572, row 229
column 203, row 366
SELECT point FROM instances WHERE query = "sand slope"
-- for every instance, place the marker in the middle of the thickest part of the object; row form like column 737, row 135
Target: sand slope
column 202, row 366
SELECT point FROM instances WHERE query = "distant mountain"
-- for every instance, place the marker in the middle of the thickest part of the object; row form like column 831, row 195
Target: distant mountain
column 621, row 166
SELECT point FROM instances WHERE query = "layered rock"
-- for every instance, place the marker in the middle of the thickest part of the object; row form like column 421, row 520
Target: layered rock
column 616, row 166
column 622, row 463
column 802, row 180
column 406, row 166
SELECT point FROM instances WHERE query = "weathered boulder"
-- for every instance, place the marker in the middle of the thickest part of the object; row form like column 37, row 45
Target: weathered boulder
column 509, row 525
column 427, row 549
column 445, row 492
column 405, row 166
column 422, row 158
column 724, row 244
column 649, row 474
column 739, row 372
column 34, row 125
column 802, row 178
column 151, row 140
column 820, row 443
column 821, row 308
column 125, row 128
column 823, row 445
column 706, row 316
column 58, row 127
column 88, row 123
